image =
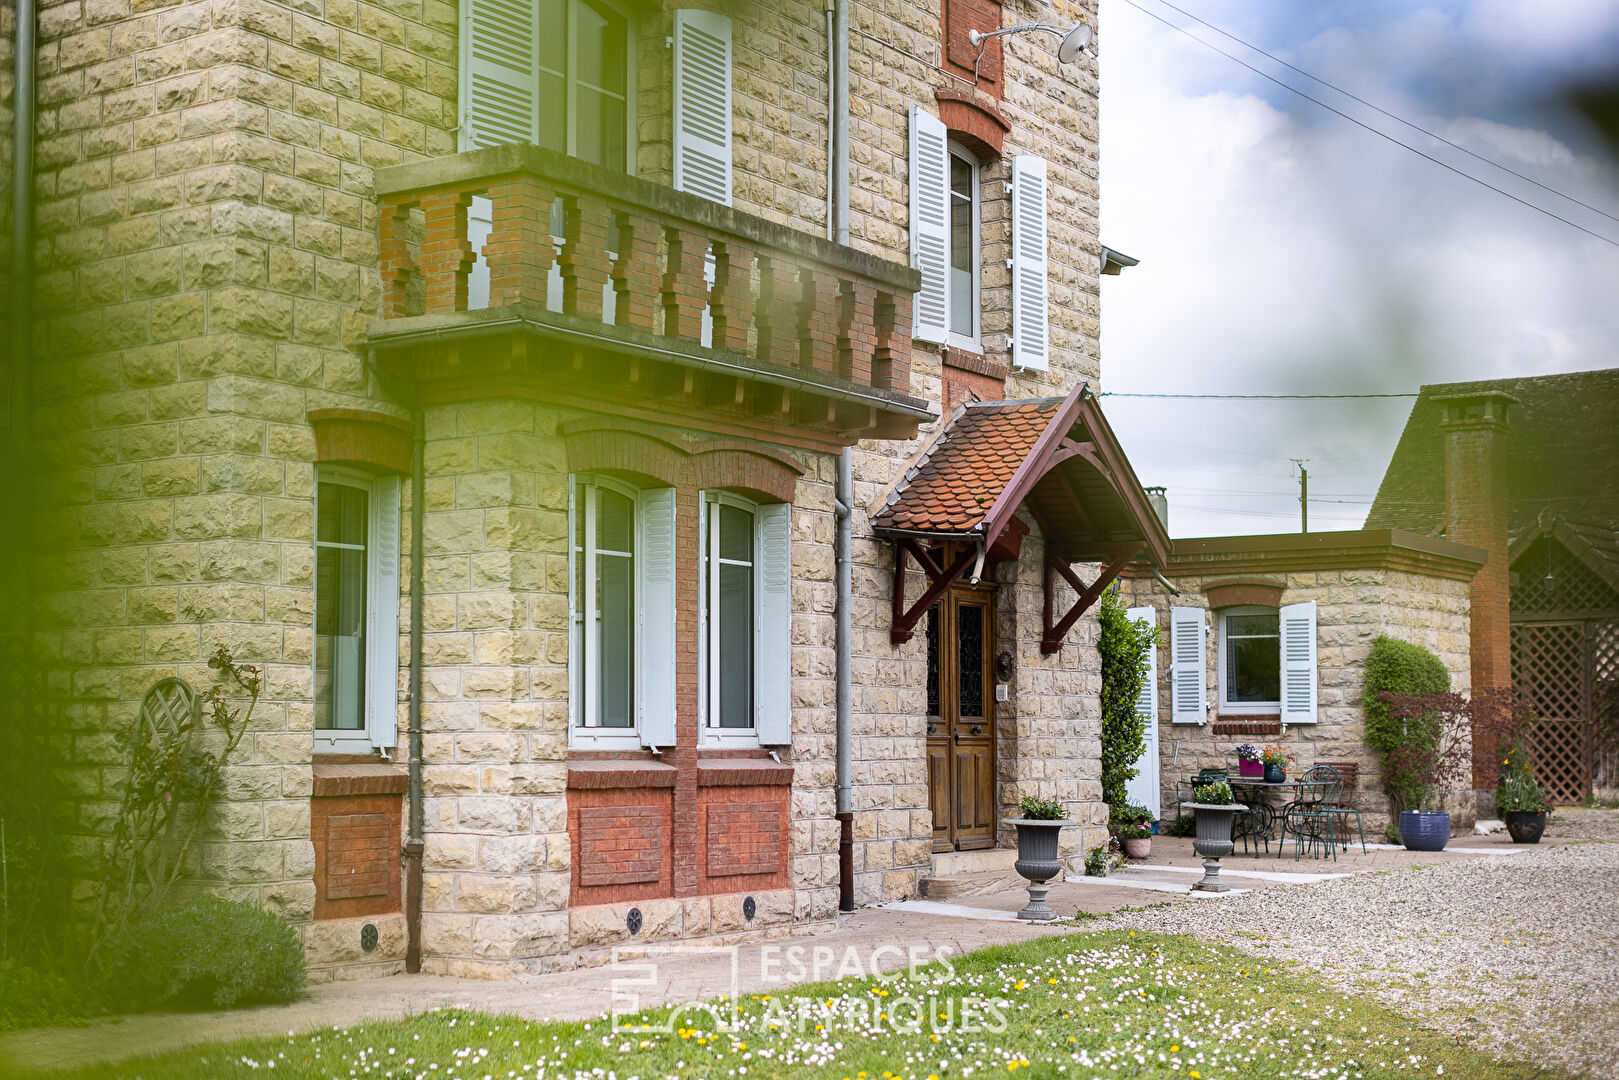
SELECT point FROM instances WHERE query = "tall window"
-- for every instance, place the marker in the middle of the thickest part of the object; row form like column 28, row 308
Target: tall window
column 584, row 93
column 1250, row 660
column 356, row 610
column 604, row 607
column 964, row 248
column 728, row 571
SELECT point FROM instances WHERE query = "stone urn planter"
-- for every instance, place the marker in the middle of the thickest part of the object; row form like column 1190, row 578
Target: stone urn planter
column 1213, row 840
column 1037, row 860
column 1424, row 830
column 1525, row 826
column 1138, row 848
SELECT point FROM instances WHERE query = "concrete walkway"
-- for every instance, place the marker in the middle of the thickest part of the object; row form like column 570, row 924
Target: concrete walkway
column 872, row 939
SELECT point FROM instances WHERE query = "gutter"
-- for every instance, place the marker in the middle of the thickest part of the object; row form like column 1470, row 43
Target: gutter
column 415, row 840
column 838, row 222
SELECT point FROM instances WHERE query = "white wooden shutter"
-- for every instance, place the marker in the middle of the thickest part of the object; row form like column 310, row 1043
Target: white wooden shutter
column 382, row 616
column 773, row 624
column 930, row 225
column 1031, row 334
column 655, row 605
column 703, row 104
column 1188, row 660
column 500, row 47
column 1143, row 787
column 1298, row 663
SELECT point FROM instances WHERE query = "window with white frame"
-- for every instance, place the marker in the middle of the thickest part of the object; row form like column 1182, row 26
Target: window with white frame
column 965, row 246
column 356, row 657
column 745, row 621
column 1250, row 660
column 621, row 614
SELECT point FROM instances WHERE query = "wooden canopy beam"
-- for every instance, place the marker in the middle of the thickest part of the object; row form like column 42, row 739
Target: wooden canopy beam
column 1054, row 632
column 905, row 619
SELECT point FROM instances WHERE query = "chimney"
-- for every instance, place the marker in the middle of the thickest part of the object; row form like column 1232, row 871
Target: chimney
column 1159, row 498
column 1475, row 434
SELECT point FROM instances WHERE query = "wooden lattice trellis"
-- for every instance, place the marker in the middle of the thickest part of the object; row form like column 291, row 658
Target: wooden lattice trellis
column 1561, row 752
column 1550, row 666
column 1552, row 579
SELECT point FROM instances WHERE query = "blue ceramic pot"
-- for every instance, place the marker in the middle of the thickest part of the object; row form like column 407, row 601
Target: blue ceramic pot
column 1275, row 774
column 1422, row 830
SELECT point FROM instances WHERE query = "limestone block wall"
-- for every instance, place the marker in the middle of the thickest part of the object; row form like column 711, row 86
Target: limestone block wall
column 1353, row 607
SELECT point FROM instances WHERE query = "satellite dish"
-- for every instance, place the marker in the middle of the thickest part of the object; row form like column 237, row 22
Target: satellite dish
column 1075, row 42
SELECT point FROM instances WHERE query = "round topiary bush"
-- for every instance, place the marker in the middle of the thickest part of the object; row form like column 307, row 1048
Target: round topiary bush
column 208, row 952
column 1399, row 667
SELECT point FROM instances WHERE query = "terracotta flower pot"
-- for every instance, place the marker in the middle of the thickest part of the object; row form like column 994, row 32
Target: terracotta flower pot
column 1139, row 848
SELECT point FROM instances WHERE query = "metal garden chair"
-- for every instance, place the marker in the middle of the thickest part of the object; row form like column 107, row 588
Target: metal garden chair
column 1309, row 818
column 1340, row 806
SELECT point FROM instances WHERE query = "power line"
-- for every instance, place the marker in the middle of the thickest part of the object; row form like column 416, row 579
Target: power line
column 1392, row 116
column 1380, row 134
column 1256, row 397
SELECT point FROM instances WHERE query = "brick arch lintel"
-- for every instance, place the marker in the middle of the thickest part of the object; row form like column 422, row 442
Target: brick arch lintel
column 676, row 460
column 973, row 122
column 1259, row 592
column 375, row 441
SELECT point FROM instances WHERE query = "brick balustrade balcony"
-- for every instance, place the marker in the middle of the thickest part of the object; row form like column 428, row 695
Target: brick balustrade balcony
column 517, row 270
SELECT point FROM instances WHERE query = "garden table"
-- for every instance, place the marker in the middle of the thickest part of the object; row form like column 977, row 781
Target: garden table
column 1259, row 799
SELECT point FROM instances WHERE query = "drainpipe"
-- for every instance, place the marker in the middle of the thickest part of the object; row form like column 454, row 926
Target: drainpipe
column 831, row 115
column 842, row 545
column 844, row 541
column 22, row 235
column 414, row 840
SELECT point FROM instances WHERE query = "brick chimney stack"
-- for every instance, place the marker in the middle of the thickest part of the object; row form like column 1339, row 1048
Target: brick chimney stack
column 1475, row 427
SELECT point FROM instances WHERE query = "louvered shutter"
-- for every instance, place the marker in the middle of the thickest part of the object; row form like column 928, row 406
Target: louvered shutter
column 655, row 604
column 382, row 616
column 500, row 46
column 930, row 225
column 773, row 624
column 1188, row 663
column 702, row 119
column 1031, row 333
column 1143, row 787
column 1298, row 663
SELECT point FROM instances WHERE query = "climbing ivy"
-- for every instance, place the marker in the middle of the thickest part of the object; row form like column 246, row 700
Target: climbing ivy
column 1123, row 644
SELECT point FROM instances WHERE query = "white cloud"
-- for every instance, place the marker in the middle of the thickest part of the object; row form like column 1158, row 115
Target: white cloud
column 1284, row 250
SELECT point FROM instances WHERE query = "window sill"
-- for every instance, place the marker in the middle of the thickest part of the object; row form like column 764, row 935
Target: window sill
column 586, row 775
column 358, row 778
column 742, row 772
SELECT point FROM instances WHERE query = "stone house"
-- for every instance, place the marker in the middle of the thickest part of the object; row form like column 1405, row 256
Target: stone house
column 1527, row 469
column 544, row 396
column 1267, row 640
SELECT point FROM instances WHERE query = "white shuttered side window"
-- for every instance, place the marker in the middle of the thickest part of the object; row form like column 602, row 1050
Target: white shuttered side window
column 1188, row 666
column 500, row 78
column 930, row 224
column 1298, row 663
column 1147, row 703
column 655, row 643
column 702, row 105
column 382, row 630
column 772, row 626
column 1031, row 333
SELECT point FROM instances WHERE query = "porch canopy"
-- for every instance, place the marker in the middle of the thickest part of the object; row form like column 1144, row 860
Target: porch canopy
column 1059, row 457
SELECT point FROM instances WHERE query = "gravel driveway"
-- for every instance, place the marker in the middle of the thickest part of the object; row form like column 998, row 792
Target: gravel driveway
column 1520, row 953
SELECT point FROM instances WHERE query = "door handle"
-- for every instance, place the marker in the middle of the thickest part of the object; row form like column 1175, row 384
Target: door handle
column 933, row 729
column 978, row 729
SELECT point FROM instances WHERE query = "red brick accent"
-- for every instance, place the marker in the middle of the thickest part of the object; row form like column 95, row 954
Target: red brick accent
column 1235, row 593
column 360, row 437
column 971, row 377
column 358, row 778
column 956, row 17
column 446, row 253
column 742, row 772
column 357, row 839
column 621, row 843
column 1247, row 725
column 745, row 472
column 519, row 246
column 973, row 121
column 625, row 452
column 743, row 838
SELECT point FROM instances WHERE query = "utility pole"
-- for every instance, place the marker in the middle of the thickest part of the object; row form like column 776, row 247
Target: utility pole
column 1304, row 494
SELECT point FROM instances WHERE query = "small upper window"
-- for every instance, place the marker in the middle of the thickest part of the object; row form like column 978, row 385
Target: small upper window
column 1250, row 660
column 965, row 243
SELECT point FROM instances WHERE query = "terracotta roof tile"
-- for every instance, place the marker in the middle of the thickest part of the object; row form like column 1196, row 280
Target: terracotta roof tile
column 972, row 461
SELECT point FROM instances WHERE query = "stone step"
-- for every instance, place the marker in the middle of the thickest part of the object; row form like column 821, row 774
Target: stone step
column 985, row 861
column 942, row 888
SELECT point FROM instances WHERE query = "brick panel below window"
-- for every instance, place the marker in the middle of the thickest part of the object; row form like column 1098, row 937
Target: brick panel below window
column 356, row 823
column 743, row 838
column 358, row 847
column 621, row 845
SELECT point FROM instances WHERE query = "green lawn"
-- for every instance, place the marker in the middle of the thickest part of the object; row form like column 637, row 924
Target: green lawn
column 1098, row 1004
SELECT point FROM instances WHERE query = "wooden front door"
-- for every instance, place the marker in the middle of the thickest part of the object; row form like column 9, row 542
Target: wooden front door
column 961, row 719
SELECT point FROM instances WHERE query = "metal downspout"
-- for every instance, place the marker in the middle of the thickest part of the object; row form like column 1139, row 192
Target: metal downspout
column 844, row 541
column 414, row 841
column 22, row 239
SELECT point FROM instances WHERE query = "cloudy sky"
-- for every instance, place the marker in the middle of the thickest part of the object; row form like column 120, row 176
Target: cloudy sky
column 1285, row 250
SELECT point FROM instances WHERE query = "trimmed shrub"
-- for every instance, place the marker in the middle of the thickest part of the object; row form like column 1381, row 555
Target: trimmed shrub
column 1407, row 670
column 208, row 952
column 1123, row 645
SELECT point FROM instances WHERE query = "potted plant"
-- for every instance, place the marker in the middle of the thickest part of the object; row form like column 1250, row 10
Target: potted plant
column 1433, row 755
column 1275, row 761
column 1037, row 861
column 1248, row 763
column 1130, row 825
column 1215, row 810
column 1523, row 806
